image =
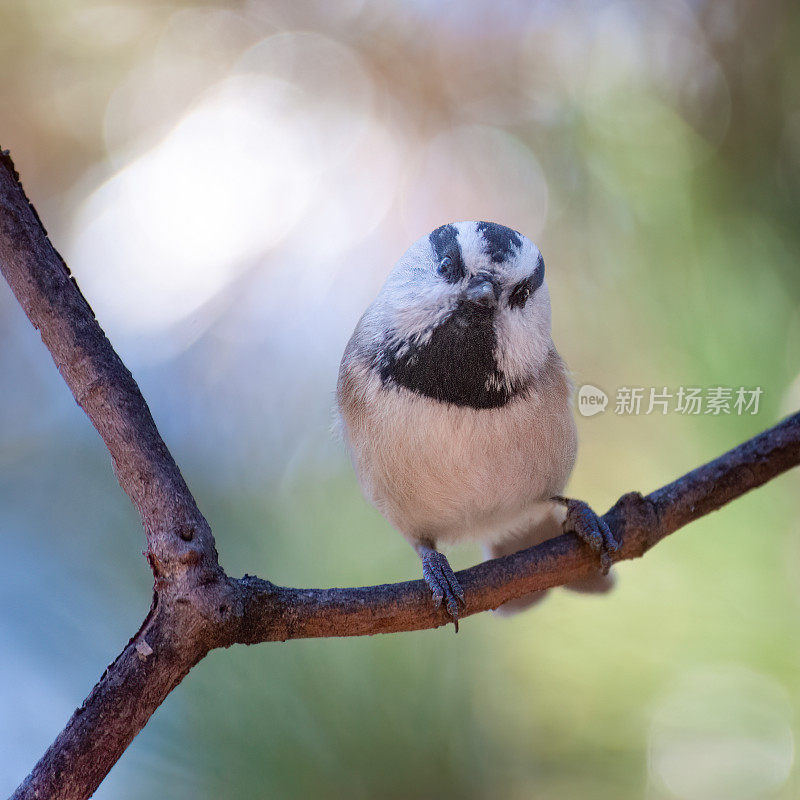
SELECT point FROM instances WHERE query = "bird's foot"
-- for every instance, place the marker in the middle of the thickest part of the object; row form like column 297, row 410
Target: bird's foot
column 591, row 529
column 441, row 579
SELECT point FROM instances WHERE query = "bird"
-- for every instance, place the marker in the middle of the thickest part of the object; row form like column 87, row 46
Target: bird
column 456, row 407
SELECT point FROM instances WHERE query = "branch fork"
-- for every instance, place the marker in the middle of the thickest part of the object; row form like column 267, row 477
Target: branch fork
column 196, row 606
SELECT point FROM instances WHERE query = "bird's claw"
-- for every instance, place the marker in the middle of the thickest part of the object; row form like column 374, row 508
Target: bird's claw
column 444, row 585
column 591, row 529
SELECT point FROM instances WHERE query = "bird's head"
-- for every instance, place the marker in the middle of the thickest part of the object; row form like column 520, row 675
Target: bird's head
column 464, row 317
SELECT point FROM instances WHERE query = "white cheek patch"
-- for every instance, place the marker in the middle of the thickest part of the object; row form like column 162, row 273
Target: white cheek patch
column 523, row 337
column 416, row 318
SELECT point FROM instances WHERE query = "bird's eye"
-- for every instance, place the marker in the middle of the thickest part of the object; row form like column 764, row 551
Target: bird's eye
column 450, row 269
column 524, row 289
column 520, row 294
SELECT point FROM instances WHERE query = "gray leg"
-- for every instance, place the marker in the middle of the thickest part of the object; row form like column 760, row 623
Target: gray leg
column 439, row 576
column 582, row 521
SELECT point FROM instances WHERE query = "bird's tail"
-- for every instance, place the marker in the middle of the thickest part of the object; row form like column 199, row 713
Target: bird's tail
column 545, row 525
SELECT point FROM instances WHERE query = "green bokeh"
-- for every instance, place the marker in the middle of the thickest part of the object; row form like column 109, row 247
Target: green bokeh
column 672, row 242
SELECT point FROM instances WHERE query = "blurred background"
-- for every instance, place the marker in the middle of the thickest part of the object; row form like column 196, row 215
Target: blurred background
column 230, row 184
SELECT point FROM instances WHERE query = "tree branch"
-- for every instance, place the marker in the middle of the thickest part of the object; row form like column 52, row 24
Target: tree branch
column 177, row 533
column 196, row 606
column 189, row 582
column 267, row 612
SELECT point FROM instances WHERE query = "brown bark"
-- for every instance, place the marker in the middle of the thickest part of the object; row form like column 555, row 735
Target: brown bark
column 196, row 606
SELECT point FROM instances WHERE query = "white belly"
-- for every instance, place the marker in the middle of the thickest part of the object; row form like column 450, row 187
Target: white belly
column 449, row 473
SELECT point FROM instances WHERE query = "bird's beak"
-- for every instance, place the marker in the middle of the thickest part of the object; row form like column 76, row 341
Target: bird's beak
column 482, row 290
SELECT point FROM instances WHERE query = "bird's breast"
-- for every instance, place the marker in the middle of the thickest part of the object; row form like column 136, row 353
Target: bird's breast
column 447, row 472
column 455, row 362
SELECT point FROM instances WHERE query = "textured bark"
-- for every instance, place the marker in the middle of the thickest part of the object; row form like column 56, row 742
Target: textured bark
column 196, row 606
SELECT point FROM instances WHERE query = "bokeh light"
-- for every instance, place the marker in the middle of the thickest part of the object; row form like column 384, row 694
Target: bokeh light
column 723, row 733
column 230, row 184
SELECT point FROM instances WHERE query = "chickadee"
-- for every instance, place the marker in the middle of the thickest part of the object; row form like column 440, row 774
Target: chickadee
column 456, row 407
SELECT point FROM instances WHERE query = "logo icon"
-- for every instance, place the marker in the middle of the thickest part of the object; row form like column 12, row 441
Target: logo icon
column 591, row 400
